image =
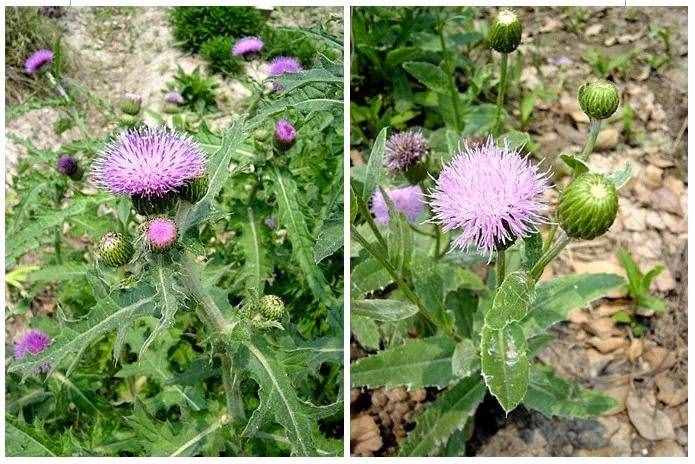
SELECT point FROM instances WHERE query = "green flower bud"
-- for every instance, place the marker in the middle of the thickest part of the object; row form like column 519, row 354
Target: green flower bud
column 598, row 99
column 148, row 206
column 131, row 104
column 114, row 249
column 588, row 206
column 271, row 307
column 505, row 32
column 195, row 190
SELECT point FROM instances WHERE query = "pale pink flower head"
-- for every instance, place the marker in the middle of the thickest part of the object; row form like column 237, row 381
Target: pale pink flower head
column 285, row 133
column 247, row 46
column 404, row 149
column 407, row 200
column 174, row 98
column 31, row 343
column 148, row 162
column 490, row 195
column 160, row 233
column 284, row 65
column 38, row 60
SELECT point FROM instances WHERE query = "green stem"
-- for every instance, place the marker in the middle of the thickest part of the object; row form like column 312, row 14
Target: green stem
column 452, row 81
column 550, row 254
column 500, row 266
column 437, row 241
column 594, row 129
column 501, row 91
column 420, row 231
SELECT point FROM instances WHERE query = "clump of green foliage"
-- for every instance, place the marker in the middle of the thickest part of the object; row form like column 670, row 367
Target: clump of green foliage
column 192, row 26
column 197, row 89
column 217, row 53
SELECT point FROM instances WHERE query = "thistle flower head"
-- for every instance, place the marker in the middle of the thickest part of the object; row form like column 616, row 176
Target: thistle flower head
column 407, row 200
column 174, row 98
column 38, row 60
column 114, row 249
column 131, row 103
column 67, row 165
column 148, row 162
column 285, row 133
column 160, row 233
column 404, row 150
column 247, row 46
column 505, row 32
column 32, row 342
column 491, row 195
column 284, row 65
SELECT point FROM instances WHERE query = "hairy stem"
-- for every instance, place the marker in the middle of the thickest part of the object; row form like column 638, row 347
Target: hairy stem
column 501, row 91
column 452, row 81
column 500, row 267
column 594, row 129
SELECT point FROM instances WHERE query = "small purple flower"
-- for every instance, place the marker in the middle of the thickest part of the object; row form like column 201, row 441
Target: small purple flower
column 284, row 65
column 67, row 165
column 38, row 60
column 407, row 200
column 247, row 46
column 285, row 133
column 160, row 233
column 148, row 162
column 31, row 343
column 491, row 195
column 405, row 149
column 270, row 222
column 174, row 97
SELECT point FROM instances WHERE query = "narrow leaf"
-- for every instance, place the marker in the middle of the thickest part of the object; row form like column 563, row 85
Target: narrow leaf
column 383, row 310
column 375, row 166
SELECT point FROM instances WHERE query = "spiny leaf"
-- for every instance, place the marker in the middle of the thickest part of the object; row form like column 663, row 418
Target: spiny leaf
column 257, row 267
column 368, row 276
column 511, row 301
column 375, row 166
column 505, row 364
column 366, row 331
column 330, row 235
column 298, row 232
column 465, row 360
column 384, row 310
column 447, row 414
column 21, row 440
column 417, row 363
column 555, row 396
column 166, row 298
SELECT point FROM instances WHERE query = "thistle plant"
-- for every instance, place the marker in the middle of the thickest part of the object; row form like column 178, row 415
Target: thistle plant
column 200, row 333
column 446, row 275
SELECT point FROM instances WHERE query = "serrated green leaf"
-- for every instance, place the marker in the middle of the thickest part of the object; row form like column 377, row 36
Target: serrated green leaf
column 429, row 75
column 375, row 166
column 417, row 363
column 369, row 276
column 166, row 298
column 447, row 414
column 465, row 360
column 384, row 310
column 511, row 300
column 504, row 364
column 58, row 273
column 302, row 249
column 555, row 396
column 366, row 331
column 21, row 440
column 557, row 298
column 257, row 267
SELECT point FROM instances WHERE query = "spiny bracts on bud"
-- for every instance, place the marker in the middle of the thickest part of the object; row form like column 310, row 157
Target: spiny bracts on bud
column 271, row 307
column 588, row 206
column 131, row 104
column 598, row 99
column 114, row 249
column 68, row 166
column 160, row 233
column 195, row 189
column 404, row 150
column 505, row 32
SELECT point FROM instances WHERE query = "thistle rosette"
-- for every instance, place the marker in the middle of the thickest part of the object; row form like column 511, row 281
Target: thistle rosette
column 598, row 99
column 150, row 165
column 505, row 32
column 38, row 60
column 588, row 206
column 247, row 46
column 491, row 195
column 68, row 166
column 408, row 200
column 271, row 307
column 160, row 233
column 114, row 249
column 405, row 151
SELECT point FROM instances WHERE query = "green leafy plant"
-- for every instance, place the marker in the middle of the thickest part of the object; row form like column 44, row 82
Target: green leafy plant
column 638, row 283
column 194, row 25
column 197, row 89
column 217, row 53
column 440, row 301
column 225, row 339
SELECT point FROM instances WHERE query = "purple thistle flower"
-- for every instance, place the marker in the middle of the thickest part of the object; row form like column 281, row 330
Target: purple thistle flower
column 38, row 60
column 174, row 98
column 31, row 343
column 285, row 133
column 405, row 149
column 247, row 46
column 492, row 195
column 148, row 162
column 67, row 165
column 284, row 65
column 407, row 200
column 160, row 233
